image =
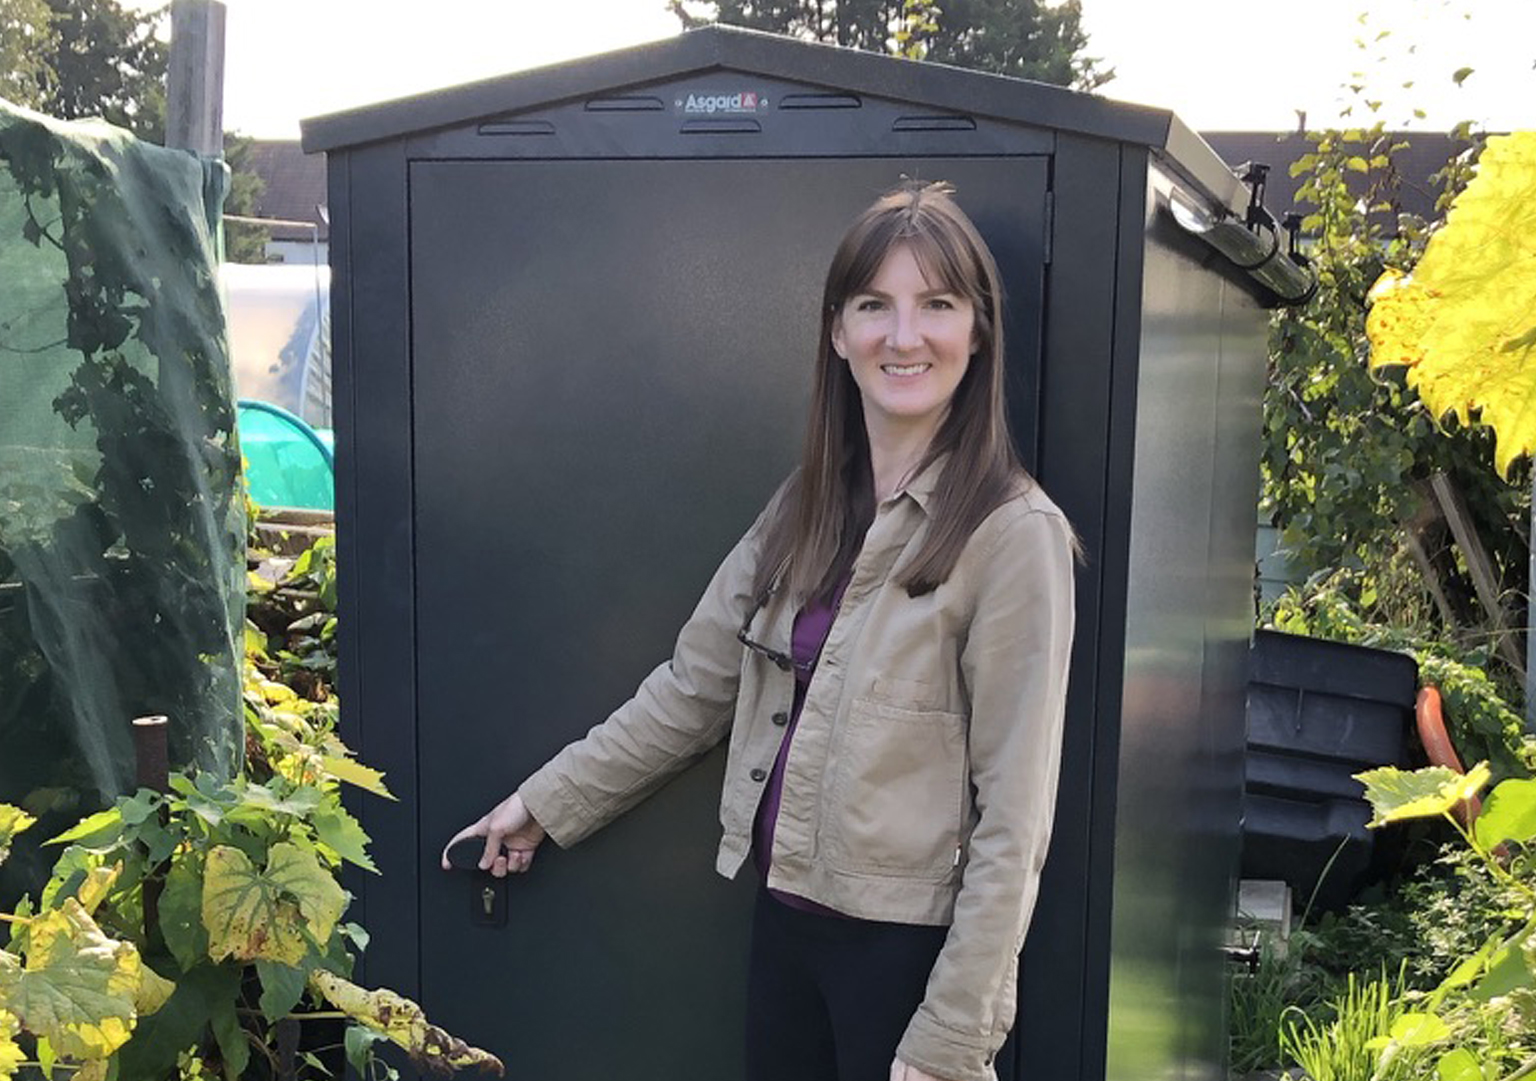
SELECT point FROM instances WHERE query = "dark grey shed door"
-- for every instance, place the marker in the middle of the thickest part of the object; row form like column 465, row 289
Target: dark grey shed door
column 610, row 366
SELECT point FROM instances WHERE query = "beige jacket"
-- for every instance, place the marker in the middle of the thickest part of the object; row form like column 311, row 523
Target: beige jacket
column 921, row 781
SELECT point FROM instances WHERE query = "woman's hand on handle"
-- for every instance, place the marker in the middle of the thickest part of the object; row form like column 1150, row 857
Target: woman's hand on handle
column 900, row 1071
column 511, row 836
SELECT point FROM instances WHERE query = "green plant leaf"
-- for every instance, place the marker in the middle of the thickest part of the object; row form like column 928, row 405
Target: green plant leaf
column 103, row 827
column 358, row 1040
column 180, row 1023
column 1508, row 815
column 12, row 821
column 181, row 914
column 281, row 988
column 1508, row 969
column 1458, row 1065
column 1397, row 795
column 230, row 1037
column 1419, row 1030
column 341, row 833
column 298, row 873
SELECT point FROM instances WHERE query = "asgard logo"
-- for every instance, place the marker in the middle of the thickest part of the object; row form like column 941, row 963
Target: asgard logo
column 744, row 102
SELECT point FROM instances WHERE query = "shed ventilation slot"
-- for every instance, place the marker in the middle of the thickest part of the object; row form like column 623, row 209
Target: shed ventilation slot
column 721, row 127
column 516, row 127
column 820, row 101
column 934, row 123
column 626, row 103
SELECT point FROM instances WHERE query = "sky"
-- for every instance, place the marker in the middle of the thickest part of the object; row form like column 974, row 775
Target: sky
column 1222, row 65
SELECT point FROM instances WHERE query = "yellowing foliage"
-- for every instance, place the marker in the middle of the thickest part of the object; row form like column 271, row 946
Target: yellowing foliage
column 1464, row 322
column 12, row 821
column 264, row 915
column 11, row 1055
column 405, row 1024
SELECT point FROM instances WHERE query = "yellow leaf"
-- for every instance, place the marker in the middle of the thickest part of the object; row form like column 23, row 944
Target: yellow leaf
column 94, row 1070
column 405, row 1024
column 77, row 988
column 354, row 772
column 97, row 884
column 265, row 915
column 1464, row 323
column 11, row 1055
column 152, row 993
column 12, row 821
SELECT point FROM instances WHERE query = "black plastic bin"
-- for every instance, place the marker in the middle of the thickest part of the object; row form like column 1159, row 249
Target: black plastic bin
column 1318, row 712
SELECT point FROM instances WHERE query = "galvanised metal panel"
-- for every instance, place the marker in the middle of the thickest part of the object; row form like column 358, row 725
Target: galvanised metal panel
column 609, row 373
column 1188, row 614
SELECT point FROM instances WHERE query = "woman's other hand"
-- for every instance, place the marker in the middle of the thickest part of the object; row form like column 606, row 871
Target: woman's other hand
column 511, row 836
column 900, row 1071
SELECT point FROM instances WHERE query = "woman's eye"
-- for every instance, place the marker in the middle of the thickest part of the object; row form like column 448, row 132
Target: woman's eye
column 868, row 304
column 941, row 303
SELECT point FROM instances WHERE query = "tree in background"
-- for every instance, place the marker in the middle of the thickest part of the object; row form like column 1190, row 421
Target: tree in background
column 81, row 58
column 107, row 62
column 27, row 39
column 1024, row 38
column 243, row 243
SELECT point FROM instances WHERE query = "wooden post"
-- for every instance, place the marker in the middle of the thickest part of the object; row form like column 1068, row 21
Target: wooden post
column 1479, row 568
column 194, row 92
column 150, row 753
column 152, row 759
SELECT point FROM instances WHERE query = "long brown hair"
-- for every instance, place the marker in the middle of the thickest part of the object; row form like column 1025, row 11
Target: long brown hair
column 830, row 502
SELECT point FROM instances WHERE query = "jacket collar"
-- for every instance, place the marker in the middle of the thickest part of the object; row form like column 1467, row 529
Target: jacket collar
column 923, row 486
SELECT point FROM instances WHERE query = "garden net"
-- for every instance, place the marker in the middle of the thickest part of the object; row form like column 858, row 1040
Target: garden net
column 121, row 529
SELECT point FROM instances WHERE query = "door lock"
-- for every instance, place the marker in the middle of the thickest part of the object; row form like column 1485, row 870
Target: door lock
column 487, row 893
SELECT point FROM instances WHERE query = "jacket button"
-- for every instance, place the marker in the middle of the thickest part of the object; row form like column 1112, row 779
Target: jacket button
column 758, row 774
column 781, row 718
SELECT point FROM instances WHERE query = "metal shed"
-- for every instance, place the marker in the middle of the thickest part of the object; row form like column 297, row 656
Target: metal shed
column 574, row 312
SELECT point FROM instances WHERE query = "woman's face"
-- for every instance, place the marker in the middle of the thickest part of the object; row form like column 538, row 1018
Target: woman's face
column 907, row 342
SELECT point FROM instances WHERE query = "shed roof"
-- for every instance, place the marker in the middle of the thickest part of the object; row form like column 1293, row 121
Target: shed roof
column 731, row 48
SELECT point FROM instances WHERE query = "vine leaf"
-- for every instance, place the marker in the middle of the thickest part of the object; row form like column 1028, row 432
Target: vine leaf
column 405, row 1024
column 12, row 821
column 77, row 988
column 1464, row 322
column 181, row 919
column 266, row 915
column 11, row 1055
column 341, row 833
column 355, row 773
column 1397, row 795
column 1509, row 814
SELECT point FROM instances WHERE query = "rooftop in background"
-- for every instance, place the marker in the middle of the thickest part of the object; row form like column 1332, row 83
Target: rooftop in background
column 295, row 188
column 1426, row 154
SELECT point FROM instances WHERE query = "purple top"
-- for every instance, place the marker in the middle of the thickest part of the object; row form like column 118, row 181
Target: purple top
column 812, row 624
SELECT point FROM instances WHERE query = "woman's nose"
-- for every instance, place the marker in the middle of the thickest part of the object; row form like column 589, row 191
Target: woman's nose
column 904, row 333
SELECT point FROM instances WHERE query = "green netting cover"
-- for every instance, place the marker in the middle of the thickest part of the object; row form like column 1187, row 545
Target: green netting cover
column 122, row 565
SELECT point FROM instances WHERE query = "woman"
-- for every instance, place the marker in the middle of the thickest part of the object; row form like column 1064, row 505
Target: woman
column 898, row 804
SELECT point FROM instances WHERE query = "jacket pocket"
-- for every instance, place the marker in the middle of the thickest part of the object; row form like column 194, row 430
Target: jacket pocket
column 898, row 792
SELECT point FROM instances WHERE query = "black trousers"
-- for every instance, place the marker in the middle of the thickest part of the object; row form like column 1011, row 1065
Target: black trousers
column 828, row 998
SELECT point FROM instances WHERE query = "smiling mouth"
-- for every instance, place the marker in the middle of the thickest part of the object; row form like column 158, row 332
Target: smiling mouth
column 905, row 369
